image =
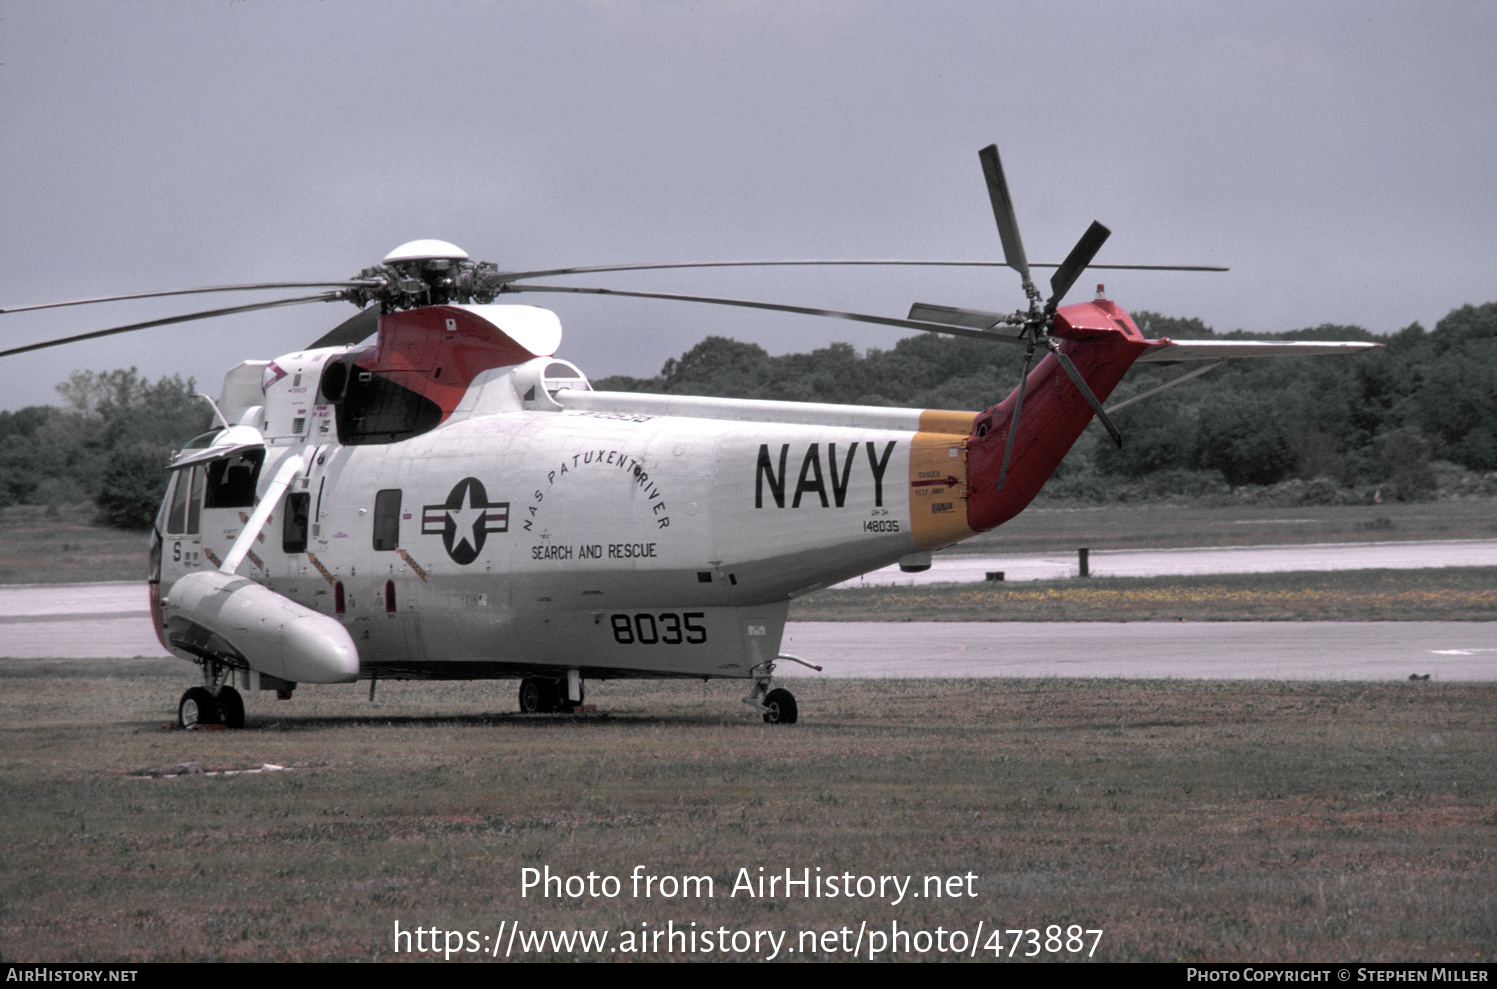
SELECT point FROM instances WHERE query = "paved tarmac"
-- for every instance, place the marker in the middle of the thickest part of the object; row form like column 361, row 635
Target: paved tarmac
column 77, row 621
column 1414, row 555
column 1147, row 650
column 113, row 621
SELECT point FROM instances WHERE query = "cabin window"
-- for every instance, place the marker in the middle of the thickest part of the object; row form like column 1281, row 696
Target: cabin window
column 232, row 480
column 387, row 519
column 294, row 523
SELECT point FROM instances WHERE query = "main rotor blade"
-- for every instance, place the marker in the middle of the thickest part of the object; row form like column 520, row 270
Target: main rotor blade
column 1003, row 211
column 192, row 291
column 776, row 307
column 977, row 319
column 1013, row 424
column 208, row 314
column 1148, row 267
column 353, row 329
column 1076, row 262
column 515, row 276
column 1086, row 392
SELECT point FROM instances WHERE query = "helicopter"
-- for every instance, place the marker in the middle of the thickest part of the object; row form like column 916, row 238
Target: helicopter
column 453, row 501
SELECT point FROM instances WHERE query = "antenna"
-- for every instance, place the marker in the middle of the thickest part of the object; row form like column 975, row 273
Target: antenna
column 216, row 414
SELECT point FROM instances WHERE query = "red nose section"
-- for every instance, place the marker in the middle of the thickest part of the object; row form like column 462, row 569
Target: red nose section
column 1103, row 343
column 157, row 622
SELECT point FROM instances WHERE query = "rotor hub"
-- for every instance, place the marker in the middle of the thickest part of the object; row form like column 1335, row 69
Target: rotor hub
column 426, row 273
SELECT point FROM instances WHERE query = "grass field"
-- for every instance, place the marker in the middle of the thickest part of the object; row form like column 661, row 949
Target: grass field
column 1187, row 820
column 62, row 546
column 1448, row 594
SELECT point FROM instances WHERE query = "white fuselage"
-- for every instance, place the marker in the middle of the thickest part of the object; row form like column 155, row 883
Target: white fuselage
column 614, row 534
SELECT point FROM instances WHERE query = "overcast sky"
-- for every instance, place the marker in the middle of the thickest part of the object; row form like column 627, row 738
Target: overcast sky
column 1339, row 157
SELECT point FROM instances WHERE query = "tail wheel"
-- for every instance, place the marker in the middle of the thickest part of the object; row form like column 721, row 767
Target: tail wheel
column 782, row 709
column 231, row 707
column 197, row 707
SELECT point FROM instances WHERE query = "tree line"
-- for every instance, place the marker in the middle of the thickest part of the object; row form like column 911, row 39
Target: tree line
column 1398, row 422
column 109, row 443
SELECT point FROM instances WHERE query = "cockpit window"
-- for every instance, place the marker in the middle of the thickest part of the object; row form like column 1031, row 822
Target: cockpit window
column 202, row 440
column 195, row 502
column 176, row 517
column 185, row 515
column 232, row 480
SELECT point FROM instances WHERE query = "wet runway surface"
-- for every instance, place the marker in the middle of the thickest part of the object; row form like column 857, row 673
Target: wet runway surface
column 113, row 621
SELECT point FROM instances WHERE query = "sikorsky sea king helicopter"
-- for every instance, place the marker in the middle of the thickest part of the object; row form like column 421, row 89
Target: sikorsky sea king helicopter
column 454, row 502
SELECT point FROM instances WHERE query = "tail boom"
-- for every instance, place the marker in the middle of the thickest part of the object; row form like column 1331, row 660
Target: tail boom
column 1103, row 343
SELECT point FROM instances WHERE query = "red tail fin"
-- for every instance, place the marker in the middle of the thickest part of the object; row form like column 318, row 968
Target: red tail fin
column 1103, row 343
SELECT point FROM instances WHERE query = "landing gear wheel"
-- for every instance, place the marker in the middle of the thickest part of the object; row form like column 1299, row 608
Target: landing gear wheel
column 231, row 707
column 541, row 696
column 197, row 707
column 782, row 710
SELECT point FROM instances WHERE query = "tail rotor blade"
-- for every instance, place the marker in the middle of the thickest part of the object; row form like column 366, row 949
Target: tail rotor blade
column 1003, row 211
column 1013, row 424
column 1075, row 263
column 1086, row 393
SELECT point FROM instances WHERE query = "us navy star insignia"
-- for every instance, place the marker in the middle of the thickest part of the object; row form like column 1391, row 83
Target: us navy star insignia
column 465, row 519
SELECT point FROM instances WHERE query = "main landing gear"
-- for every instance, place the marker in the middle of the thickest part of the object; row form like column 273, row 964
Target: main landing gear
column 542, row 695
column 214, row 703
column 198, row 707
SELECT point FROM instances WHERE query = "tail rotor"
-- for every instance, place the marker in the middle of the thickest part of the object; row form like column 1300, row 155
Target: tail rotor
column 1037, row 323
